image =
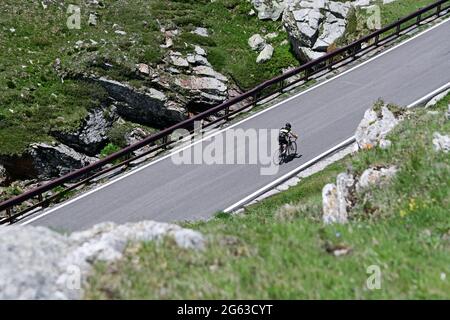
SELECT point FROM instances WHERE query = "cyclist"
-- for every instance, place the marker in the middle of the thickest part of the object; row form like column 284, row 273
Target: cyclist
column 284, row 137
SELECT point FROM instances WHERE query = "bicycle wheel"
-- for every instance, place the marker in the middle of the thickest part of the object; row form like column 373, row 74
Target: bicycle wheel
column 292, row 148
column 277, row 158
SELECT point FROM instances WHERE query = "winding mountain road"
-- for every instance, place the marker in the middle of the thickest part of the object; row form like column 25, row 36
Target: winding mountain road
column 323, row 116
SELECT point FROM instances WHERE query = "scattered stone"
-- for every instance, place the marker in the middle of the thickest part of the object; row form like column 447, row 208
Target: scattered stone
column 201, row 32
column 265, row 55
column 256, row 42
column 441, row 142
column 120, row 32
column 92, row 19
column 144, row 69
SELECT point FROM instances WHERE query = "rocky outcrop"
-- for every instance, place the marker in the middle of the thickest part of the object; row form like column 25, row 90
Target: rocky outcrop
column 145, row 106
column 338, row 199
column 45, row 161
column 374, row 127
column 43, row 264
column 314, row 25
column 441, row 142
column 375, row 177
column 193, row 80
column 91, row 136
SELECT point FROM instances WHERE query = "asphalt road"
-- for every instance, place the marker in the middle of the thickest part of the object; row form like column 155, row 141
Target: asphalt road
column 324, row 117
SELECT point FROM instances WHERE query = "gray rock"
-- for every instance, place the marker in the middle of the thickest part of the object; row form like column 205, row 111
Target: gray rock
column 336, row 199
column 441, row 143
column 148, row 107
column 201, row 32
column 201, row 90
column 200, row 51
column 269, row 9
column 332, row 29
column 265, row 54
column 91, row 137
column 178, row 61
column 256, row 42
column 375, row 177
column 92, row 19
column 42, row 264
column 339, row 9
column 197, row 60
column 51, row 161
column 209, row 72
column 373, row 129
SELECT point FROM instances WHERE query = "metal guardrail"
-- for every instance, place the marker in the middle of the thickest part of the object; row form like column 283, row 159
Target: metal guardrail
column 221, row 112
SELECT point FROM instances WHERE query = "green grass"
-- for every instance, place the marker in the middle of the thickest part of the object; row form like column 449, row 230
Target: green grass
column 276, row 253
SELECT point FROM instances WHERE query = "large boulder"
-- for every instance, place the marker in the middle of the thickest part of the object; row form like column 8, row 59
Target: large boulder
column 43, row 264
column 91, row 136
column 45, row 161
column 146, row 106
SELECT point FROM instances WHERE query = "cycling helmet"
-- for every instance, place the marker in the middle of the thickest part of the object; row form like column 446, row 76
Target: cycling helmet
column 288, row 125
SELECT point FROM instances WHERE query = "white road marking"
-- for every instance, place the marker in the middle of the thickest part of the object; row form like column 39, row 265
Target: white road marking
column 234, row 125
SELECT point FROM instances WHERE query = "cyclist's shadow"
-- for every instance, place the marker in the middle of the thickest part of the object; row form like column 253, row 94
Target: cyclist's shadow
column 291, row 157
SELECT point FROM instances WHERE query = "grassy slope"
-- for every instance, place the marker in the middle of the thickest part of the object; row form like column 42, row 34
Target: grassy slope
column 34, row 101
column 281, row 254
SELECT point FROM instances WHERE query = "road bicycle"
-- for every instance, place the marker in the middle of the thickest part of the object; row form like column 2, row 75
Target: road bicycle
column 290, row 152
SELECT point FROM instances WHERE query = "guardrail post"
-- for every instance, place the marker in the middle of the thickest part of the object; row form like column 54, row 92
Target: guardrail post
column 8, row 212
column 227, row 112
column 40, row 197
column 255, row 99
column 419, row 19
column 377, row 39
column 438, row 10
column 165, row 140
